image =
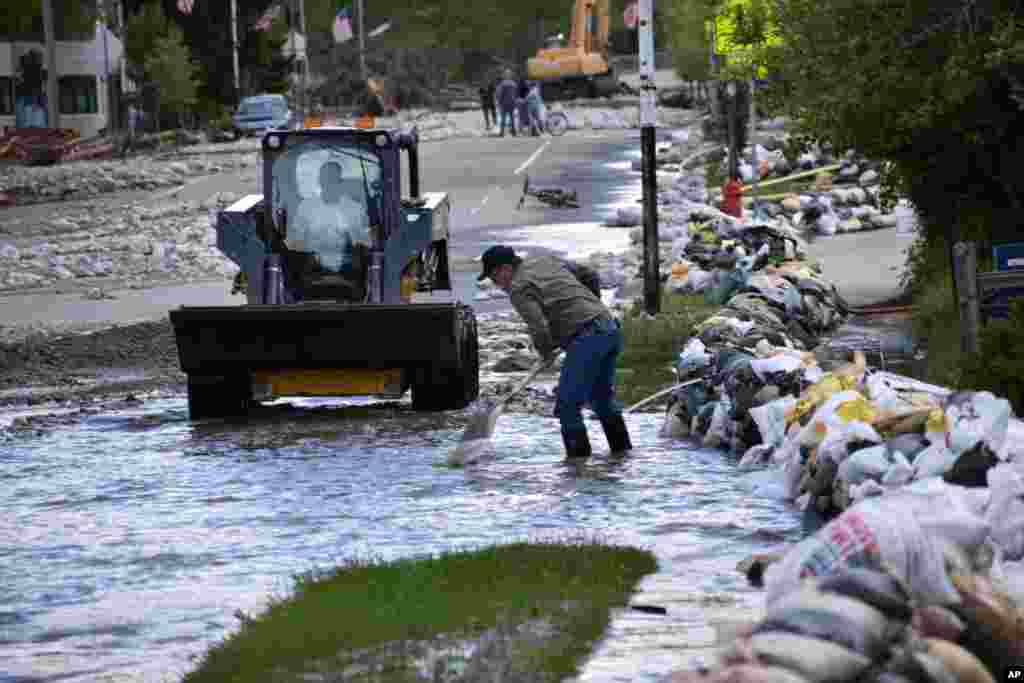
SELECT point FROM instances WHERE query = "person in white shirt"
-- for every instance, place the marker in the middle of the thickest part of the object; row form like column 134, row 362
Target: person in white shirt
column 333, row 222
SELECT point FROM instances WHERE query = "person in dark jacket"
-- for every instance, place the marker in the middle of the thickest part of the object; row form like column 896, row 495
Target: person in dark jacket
column 522, row 108
column 487, row 92
column 373, row 101
column 560, row 303
column 505, row 97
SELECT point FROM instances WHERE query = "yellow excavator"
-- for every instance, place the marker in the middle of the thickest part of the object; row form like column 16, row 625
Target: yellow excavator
column 580, row 69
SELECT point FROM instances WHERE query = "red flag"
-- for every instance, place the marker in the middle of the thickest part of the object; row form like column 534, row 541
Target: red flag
column 185, row 6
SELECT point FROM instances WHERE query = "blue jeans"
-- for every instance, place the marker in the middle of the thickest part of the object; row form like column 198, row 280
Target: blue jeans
column 508, row 116
column 588, row 374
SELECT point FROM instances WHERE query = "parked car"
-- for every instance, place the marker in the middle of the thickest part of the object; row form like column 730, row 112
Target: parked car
column 260, row 112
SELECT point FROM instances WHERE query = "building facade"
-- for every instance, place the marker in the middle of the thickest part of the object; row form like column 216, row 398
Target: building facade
column 88, row 78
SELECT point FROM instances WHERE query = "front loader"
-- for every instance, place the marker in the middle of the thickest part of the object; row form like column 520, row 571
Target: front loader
column 348, row 285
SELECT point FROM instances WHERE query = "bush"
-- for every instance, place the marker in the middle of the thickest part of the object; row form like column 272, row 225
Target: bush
column 998, row 366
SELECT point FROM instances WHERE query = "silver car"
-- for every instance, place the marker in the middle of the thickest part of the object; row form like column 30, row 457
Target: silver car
column 261, row 112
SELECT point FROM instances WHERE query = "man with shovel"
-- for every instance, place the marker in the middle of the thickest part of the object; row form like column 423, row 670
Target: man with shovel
column 562, row 312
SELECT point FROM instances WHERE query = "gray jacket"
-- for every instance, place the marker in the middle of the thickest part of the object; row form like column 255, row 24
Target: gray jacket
column 552, row 299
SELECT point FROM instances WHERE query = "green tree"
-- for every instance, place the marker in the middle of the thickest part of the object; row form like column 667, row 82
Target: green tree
column 171, row 70
column 931, row 86
column 144, row 31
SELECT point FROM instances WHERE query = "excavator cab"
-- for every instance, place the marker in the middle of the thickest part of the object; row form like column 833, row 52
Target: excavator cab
column 341, row 273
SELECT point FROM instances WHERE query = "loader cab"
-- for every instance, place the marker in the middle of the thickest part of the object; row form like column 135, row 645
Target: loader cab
column 326, row 204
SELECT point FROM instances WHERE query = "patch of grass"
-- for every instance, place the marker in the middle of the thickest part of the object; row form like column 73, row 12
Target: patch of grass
column 651, row 347
column 377, row 621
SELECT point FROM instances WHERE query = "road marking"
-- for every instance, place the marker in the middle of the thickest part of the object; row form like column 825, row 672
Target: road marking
column 533, row 158
column 483, row 202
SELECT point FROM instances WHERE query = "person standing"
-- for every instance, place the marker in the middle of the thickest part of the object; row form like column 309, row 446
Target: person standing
column 134, row 124
column 487, row 92
column 505, row 95
column 563, row 312
column 535, row 105
column 522, row 108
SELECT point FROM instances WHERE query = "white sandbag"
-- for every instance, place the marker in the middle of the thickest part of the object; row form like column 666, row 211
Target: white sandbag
column 883, row 395
column 756, row 456
column 933, row 461
column 770, row 419
column 827, row 224
column 977, row 417
column 867, row 463
column 763, row 367
column 699, row 280
column 1006, row 509
column 746, row 172
column 693, row 357
column 627, row 216
column 680, row 136
column 838, row 437
column 866, row 489
column 1013, row 446
column 874, row 533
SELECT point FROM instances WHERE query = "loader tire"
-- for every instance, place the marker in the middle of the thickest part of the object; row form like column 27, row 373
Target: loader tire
column 451, row 386
column 218, row 395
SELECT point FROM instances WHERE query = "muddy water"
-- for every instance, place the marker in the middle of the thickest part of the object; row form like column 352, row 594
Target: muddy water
column 129, row 540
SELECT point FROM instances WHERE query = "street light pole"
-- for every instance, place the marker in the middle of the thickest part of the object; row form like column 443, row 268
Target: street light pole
column 648, row 121
column 234, row 46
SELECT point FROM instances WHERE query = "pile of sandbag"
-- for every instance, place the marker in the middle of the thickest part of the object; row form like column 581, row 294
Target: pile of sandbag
column 916, row 586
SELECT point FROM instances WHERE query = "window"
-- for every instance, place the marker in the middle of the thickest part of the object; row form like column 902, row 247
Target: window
column 77, row 94
column 6, row 96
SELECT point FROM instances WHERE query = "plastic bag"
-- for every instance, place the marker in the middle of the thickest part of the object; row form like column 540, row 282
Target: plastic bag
column 770, row 419
column 1006, row 509
column 879, row 533
column 699, row 280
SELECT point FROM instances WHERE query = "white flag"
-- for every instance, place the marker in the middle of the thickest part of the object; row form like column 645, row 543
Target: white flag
column 185, row 6
column 343, row 25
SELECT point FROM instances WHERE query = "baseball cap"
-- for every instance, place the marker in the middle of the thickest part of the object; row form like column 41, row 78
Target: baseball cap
column 495, row 256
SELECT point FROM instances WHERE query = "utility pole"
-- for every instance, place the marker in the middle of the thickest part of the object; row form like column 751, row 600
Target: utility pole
column 648, row 122
column 52, row 110
column 234, row 47
column 362, row 39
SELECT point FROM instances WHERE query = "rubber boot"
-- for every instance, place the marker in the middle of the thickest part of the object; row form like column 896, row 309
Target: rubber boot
column 577, row 444
column 616, row 433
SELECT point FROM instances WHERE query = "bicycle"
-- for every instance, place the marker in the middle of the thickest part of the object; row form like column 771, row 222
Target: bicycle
column 556, row 123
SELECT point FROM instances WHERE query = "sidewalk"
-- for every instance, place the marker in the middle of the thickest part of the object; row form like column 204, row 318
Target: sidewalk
column 864, row 266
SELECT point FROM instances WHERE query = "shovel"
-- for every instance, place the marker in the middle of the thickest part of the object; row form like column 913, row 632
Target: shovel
column 481, row 426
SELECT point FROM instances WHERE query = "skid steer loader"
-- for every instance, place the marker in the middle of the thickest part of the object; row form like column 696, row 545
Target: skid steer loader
column 348, row 287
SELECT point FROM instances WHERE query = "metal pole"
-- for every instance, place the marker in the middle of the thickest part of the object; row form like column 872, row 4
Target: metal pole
column 362, row 39
column 293, row 85
column 52, row 110
column 648, row 121
column 234, row 46
column 731, row 120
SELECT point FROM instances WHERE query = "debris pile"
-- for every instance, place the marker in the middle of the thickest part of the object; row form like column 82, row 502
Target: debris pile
column 36, row 145
column 84, row 179
column 132, row 247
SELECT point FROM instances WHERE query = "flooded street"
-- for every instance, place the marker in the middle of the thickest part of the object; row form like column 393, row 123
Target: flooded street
column 130, row 540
